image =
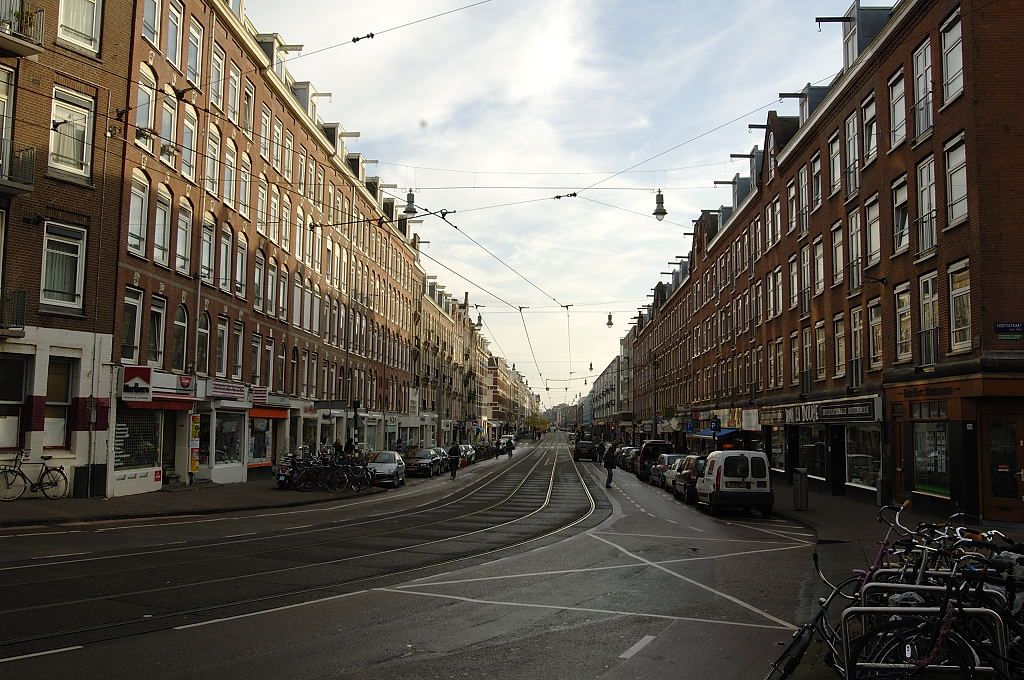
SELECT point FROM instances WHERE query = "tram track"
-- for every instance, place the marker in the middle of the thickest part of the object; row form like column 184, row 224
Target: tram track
column 581, row 505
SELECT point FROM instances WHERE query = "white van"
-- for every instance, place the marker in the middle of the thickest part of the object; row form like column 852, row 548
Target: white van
column 736, row 479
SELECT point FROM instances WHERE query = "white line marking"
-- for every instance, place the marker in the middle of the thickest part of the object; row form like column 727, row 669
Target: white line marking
column 734, row 600
column 697, row 538
column 41, row 533
column 696, row 529
column 675, row 522
column 589, row 610
column 267, row 611
column 247, row 533
column 301, row 526
column 766, row 531
column 46, row 653
column 47, row 557
column 641, row 643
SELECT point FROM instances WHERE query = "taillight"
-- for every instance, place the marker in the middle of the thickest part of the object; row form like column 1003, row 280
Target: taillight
column 718, row 479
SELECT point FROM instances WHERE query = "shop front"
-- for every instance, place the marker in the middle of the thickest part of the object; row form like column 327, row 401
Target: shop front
column 224, row 431
column 838, row 443
column 268, row 424
column 151, row 442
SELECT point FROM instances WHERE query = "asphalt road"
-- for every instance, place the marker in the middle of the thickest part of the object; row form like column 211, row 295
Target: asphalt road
column 521, row 568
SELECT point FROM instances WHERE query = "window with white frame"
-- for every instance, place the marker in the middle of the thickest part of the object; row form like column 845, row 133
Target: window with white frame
column 286, row 216
column 816, row 180
column 221, row 358
column 929, row 318
column 960, row 306
column 794, row 358
column 207, row 249
column 794, row 283
column 870, row 130
column 926, row 230
column 131, row 325
column 271, row 297
column 875, row 333
column 903, row 332
column 230, row 169
column 238, row 338
column 819, row 266
column 234, row 92
column 213, row 160
column 80, row 22
column 248, row 107
column 265, row 133
column 956, row 181
column 145, row 109
column 276, row 149
column 261, row 207
column 856, row 333
column 282, row 293
column 900, row 216
column 273, row 214
column 179, row 340
column 819, row 350
column 897, row 110
column 241, row 264
column 289, row 146
column 224, row 266
column 259, row 271
column 872, row 233
column 151, row 21
column 778, row 290
column 803, row 206
column 194, row 59
column 923, row 120
column 157, row 330
column 852, row 156
column 835, row 166
column 138, row 213
column 244, row 180
column 168, row 130
column 63, row 275
column 203, row 344
column 792, row 206
column 300, row 173
column 188, row 143
column 839, row 345
column 952, row 59
column 217, row 77
column 183, row 238
column 174, row 15
column 162, row 226
column 71, row 132
column 837, row 253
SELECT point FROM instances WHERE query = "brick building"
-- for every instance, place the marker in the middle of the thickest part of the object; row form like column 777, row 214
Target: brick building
column 852, row 310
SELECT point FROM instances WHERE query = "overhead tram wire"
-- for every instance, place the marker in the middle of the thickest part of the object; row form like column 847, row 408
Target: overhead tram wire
column 529, row 342
column 469, row 281
column 547, row 172
column 634, row 212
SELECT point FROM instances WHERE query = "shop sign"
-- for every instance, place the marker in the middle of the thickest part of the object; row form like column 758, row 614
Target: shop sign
column 193, row 444
column 185, row 381
column 860, row 410
column 227, row 390
column 138, row 384
column 1010, row 330
column 913, row 392
column 259, row 394
column 772, row 416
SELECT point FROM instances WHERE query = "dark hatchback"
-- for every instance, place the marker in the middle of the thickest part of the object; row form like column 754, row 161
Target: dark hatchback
column 649, row 452
column 690, row 470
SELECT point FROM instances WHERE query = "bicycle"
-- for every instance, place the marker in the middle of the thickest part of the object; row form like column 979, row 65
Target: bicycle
column 52, row 481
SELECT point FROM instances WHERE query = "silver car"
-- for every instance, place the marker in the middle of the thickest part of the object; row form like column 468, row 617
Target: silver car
column 388, row 468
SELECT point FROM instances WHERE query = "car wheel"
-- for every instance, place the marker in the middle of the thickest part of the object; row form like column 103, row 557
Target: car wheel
column 689, row 496
column 675, row 491
column 713, row 507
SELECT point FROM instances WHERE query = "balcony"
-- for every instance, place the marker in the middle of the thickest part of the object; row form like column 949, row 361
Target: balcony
column 925, row 226
column 17, row 169
column 929, row 342
column 21, row 29
column 12, row 314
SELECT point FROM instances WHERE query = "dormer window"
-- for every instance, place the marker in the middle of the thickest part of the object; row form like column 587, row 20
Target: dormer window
column 771, row 155
column 850, row 47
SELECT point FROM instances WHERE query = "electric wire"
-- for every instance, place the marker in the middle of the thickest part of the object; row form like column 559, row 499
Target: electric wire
column 635, row 212
column 529, row 342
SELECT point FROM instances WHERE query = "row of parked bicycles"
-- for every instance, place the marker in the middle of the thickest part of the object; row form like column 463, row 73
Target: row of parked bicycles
column 325, row 470
column 939, row 600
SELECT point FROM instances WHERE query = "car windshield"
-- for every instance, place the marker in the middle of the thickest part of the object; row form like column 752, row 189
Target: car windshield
column 736, row 466
column 422, row 453
column 383, row 457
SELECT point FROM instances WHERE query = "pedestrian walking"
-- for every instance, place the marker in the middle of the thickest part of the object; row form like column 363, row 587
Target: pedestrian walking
column 509, row 446
column 609, row 463
column 454, row 458
column 350, row 447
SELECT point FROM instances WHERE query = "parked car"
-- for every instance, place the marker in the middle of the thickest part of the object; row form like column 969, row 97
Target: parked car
column 649, row 452
column 468, row 452
column 688, row 470
column 388, row 468
column 442, row 454
column 424, row 462
column 629, row 457
column 661, row 466
column 736, row 479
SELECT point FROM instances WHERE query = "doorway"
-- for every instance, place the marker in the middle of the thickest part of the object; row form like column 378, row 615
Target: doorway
column 1002, row 468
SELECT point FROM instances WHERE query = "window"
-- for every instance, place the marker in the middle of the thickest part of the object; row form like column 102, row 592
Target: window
column 138, row 214
column 923, row 89
column 224, row 268
column 819, row 350
column 157, row 317
column 794, row 283
column 856, row 333
column 71, row 133
column 234, row 92
column 816, row 181
column 183, row 240
column 222, row 347
column 212, row 160
column 794, row 358
column 273, row 214
column 819, row 266
column 261, row 207
column 897, row 110
column 956, row 181
column 151, row 21
column 837, row 253
column 276, row 150
column 188, row 144
column 168, row 130
column 289, row 145
column 237, row 338
column 194, row 62
column 203, row 344
column 852, row 156
column 230, row 168
column 162, row 227
column 870, row 130
column 960, row 306
column 803, row 200
column 207, row 250
column 301, row 171
column 178, row 339
column 80, row 22
column 145, row 109
column 926, row 205
column 248, row 107
column 282, row 293
column 952, row 60
column 286, row 228
column 217, row 77
column 834, row 164
column 839, row 345
column 271, row 288
column 856, row 261
column 875, row 333
column 244, row 179
column 56, row 428
column 265, row 133
column 131, row 325
column 241, row 262
column 255, row 360
column 792, row 206
column 903, row 351
column 257, row 281
column 771, row 155
column 873, row 233
column 900, row 217
column 174, row 14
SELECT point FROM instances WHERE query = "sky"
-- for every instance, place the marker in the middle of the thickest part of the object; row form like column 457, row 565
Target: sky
column 519, row 101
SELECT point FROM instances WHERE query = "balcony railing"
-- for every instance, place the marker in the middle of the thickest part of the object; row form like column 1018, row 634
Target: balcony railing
column 17, row 169
column 929, row 341
column 925, row 233
column 12, row 311
column 23, row 20
column 855, row 373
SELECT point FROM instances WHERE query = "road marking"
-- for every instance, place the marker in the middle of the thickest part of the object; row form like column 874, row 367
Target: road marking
column 588, row 610
column 641, row 643
column 303, row 526
column 247, row 533
column 267, row 611
column 698, row 538
column 41, row 533
column 47, row 557
column 768, row 531
column 696, row 529
column 675, row 522
column 46, row 653
column 730, row 598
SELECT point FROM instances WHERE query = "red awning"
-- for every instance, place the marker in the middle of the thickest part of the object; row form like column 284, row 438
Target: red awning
column 267, row 412
column 162, row 404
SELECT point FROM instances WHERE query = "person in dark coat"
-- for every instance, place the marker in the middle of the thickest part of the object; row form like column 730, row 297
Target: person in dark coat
column 609, row 462
column 454, row 458
column 508, row 447
column 350, row 447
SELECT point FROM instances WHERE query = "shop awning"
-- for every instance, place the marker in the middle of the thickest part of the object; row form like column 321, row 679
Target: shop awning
column 267, row 412
column 162, row 404
column 708, row 433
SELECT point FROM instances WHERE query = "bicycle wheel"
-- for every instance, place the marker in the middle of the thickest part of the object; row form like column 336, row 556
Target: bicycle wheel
column 787, row 662
column 12, row 485
column 54, row 483
column 907, row 649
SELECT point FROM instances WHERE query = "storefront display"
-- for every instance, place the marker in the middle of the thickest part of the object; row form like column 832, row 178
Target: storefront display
column 931, row 458
column 137, row 439
column 229, row 438
column 863, row 454
column 778, row 441
column 259, row 441
column 813, row 451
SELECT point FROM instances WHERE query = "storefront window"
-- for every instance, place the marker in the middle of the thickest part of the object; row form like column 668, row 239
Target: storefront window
column 58, row 403
column 259, row 440
column 778, row 447
column 863, row 454
column 204, row 439
column 137, row 439
column 931, row 458
column 814, row 450
column 230, row 438
column 309, row 433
